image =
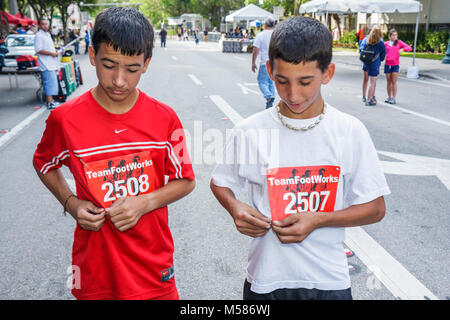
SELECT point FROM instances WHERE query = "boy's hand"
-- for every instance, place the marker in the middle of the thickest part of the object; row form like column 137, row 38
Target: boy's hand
column 87, row 215
column 254, row 67
column 125, row 212
column 250, row 221
column 300, row 226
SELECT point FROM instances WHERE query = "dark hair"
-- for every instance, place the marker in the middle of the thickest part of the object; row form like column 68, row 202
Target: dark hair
column 125, row 29
column 301, row 39
column 41, row 19
column 391, row 32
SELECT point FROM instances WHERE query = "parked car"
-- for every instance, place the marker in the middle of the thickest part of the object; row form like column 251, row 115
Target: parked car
column 18, row 44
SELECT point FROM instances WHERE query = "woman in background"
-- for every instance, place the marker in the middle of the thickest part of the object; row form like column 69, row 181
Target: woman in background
column 392, row 66
column 371, row 70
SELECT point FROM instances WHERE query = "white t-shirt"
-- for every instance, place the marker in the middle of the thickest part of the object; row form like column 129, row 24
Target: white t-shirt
column 44, row 41
column 339, row 152
column 262, row 41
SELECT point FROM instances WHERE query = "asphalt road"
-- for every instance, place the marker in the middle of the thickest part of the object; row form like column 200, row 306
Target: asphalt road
column 210, row 255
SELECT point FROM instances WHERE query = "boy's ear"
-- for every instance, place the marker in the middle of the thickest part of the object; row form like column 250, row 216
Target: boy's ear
column 328, row 73
column 146, row 62
column 269, row 69
column 92, row 55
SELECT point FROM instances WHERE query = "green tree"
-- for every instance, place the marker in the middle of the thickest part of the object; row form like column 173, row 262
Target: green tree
column 269, row 4
column 153, row 9
column 215, row 10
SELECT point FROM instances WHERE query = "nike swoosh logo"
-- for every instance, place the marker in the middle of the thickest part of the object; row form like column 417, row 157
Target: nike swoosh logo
column 119, row 131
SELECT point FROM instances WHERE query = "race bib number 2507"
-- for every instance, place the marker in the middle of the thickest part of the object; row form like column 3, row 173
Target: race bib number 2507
column 300, row 189
column 129, row 175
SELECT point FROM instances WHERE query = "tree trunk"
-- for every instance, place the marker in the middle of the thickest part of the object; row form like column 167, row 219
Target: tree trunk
column 338, row 21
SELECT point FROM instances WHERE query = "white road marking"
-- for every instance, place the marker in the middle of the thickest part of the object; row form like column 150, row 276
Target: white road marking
column 195, row 79
column 226, row 108
column 421, row 115
column 174, row 58
column 246, row 90
column 401, row 77
column 399, row 281
column 414, row 165
column 22, row 125
column 421, row 82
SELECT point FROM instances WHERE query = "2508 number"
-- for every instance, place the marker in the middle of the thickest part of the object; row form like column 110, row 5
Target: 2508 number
column 122, row 188
column 310, row 201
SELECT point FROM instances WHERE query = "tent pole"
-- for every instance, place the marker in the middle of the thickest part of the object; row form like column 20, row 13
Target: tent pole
column 326, row 19
column 415, row 38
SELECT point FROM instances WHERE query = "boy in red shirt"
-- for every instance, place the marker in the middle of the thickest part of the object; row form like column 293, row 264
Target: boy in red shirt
column 127, row 154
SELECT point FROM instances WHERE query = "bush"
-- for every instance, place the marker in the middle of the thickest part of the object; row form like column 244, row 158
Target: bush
column 431, row 41
column 348, row 40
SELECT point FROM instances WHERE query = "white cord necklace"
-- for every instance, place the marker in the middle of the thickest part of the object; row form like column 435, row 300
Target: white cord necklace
column 308, row 127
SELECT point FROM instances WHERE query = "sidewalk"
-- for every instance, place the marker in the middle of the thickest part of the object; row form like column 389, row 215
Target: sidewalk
column 428, row 68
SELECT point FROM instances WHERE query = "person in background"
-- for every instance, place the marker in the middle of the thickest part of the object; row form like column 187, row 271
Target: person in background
column 392, row 66
column 48, row 61
column 20, row 29
column 374, row 41
column 3, row 51
column 74, row 36
column 261, row 47
column 362, row 33
column 163, row 35
column 86, row 40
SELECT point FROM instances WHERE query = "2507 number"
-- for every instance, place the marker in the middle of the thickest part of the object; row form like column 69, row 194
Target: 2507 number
column 122, row 188
column 306, row 201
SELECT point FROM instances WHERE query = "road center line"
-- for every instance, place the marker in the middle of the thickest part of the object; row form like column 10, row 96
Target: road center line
column 22, row 125
column 421, row 115
column 195, row 79
column 399, row 281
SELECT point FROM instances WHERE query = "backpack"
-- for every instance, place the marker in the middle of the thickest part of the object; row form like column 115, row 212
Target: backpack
column 367, row 54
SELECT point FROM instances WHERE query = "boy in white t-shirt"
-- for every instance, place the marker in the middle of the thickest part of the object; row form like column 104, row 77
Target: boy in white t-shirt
column 312, row 169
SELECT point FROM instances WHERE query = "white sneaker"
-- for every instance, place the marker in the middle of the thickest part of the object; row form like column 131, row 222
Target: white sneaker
column 55, row 104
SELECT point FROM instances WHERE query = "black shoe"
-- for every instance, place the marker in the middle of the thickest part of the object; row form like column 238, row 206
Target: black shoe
column 49, row 106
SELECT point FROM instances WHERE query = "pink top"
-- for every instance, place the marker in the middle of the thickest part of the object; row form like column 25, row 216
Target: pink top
column 392, row 52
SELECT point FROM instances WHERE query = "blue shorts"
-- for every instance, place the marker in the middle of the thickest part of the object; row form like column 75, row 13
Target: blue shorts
column 390, row 69
column 50, row 80
column 372, row 69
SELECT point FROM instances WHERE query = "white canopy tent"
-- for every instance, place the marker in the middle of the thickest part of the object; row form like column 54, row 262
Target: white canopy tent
column 249, row 13
column 368, row 6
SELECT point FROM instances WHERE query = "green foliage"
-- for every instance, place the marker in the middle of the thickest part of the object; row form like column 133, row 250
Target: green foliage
column 426, row 42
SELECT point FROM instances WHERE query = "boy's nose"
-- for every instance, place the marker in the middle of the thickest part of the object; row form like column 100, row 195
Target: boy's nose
column 119, row 79
column 294, row 93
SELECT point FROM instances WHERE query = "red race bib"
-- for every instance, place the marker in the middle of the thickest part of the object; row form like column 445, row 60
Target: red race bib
column 128, row 175
column 299, row 189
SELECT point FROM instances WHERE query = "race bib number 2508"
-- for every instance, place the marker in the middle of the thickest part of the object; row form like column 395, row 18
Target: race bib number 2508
column 300, row 189
column 128, row 175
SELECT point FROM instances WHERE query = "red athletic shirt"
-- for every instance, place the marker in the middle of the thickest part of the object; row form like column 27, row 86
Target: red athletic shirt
column 111, row 155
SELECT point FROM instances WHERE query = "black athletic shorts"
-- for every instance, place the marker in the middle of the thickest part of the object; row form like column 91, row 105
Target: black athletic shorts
column 297, row 294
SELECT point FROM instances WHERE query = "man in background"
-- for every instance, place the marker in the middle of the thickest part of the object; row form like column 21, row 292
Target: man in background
column 261, row 48
column 48, row 62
